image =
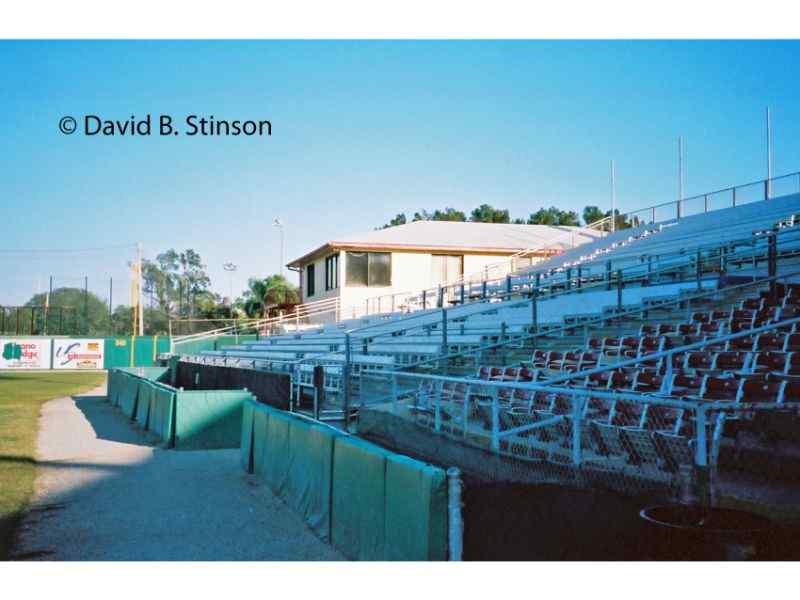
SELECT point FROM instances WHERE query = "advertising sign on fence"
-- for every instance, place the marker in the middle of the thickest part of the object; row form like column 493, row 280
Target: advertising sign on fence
column 22, row 353
column 78, row 354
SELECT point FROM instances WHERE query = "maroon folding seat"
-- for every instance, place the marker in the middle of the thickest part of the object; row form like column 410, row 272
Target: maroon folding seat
column 647, row 381
column 719, row 388
column 766, row 316
column 792, row 364
column 589, row 360
column 628, row 413
column 554, row 360
column 523, row 398
column 507, row 374
column 527, row 374
column 698, row 361
column 791, row 392
column 688, row 328
column 596, row 343
column 742, row 318
column 769, row 341
column 766, row 362
column 791, row 343
column 544, row 401
column 700, row 317
column 729, row 361
column 713, row 328
column 597, row 380
column 484, row 372
column 720, row 315
column 620, row 380
column 685, row 385
column 650, row 344
column 751, row 304
column 648, row 330
column 742, row 344
column 759, row 390
column 789, row 312
column 539, row 359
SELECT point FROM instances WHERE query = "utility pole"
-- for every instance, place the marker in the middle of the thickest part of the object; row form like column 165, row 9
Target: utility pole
column 769, row 155
column 139, row 289
column 86, row 305
column 613, row 199
column 277, row 223
column 680, row 169
column 110, row 304
column 230, row 268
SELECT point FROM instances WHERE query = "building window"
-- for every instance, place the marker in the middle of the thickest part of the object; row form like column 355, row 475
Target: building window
column 369, row 269
column 332, row 272
column 310, row 280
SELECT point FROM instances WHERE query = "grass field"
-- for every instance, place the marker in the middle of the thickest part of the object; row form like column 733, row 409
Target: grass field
column 21, row 399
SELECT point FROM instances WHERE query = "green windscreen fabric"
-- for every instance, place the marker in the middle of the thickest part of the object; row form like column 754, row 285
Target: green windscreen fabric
column 129, row 396
column 276, row 453
column 358, row 516
column 209, row 419
column 261, row 416
column 161, row 405
column 416, row 510
column 246, row 448
column 309, row 483
column 143, row 405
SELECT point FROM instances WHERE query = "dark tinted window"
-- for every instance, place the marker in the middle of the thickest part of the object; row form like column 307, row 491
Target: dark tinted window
column 380, row 269
column 357, row 268
column 310, row 280
column 332, row 272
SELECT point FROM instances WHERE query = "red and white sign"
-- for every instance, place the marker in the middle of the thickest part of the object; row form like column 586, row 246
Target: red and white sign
column 78, row 354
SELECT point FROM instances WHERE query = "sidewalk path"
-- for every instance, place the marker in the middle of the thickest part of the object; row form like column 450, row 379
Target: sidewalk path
column 105, row 491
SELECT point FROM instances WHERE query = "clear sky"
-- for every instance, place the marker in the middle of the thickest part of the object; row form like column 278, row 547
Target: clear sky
column 360, row 132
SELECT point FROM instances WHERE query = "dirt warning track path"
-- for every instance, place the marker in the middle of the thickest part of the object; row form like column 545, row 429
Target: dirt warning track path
column 105, row 491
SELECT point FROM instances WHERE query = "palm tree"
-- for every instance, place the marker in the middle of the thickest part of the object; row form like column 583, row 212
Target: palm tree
column 263, row 293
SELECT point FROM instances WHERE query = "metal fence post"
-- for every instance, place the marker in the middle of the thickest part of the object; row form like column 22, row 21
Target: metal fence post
column 437, row 409
column 619, row 289
column 535, row 308
column 577, row 424
column 608, row 275
column 424, row 299
column 455, row 526
column 483, row 290
column 766, row 189
column 440, row 296
column 346, row 381
column 462, row 293
column 444, row 339
column 495, row 422
column 699, row 269
column 701, row 450
column 394, row 393
column 508, row 285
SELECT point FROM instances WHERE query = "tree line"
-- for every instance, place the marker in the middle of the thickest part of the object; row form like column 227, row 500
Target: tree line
column 175, row 285
column 486, row 213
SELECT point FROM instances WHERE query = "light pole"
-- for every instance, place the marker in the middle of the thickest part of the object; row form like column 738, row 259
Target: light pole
column 277, row 223
column 230, row 268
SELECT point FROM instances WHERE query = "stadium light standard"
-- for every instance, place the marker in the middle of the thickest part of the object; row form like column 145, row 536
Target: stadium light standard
column 277, row 223
column 230, row 268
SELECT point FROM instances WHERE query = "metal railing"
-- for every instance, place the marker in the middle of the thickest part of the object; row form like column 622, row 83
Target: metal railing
column 729, row 197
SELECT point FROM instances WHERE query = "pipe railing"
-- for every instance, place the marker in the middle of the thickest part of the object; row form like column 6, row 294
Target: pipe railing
column 677, row 206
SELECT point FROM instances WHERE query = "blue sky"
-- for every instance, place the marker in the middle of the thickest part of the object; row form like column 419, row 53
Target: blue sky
column 361, row 131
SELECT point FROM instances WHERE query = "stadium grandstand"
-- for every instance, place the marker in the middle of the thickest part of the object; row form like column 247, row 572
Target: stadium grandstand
column 661, row 356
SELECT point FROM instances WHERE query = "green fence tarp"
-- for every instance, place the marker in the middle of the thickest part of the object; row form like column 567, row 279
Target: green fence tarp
column 130, row 392
column 143, row 404
column 261, row 416
column 246, row 448
column 209, row 419
column 276, row 453
column 161, row 406
column 358, row 516
column 310, row 480
column 416, row 510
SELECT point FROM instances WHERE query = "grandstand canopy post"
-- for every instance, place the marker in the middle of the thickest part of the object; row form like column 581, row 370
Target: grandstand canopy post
column 577, row 424
column 346, row 381
column 701, row 451
column 495, row 421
